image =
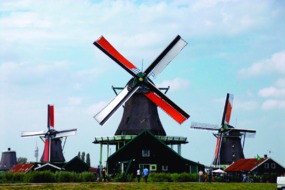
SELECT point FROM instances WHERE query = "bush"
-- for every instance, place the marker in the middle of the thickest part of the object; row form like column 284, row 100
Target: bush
column 185, row 177
column 160, row 177
column 67, row 177
column 88, row 177
column 11, row 177
column 63, row 176
column 40, row 177
column 124, row 178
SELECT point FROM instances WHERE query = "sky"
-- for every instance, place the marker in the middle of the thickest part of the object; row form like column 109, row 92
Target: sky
column 47, row 56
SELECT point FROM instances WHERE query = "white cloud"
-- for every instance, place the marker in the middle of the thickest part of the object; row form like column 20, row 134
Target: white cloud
column 12, row 72
column 273, row 104
column 275, row 95
column 44, row 21
column 175, row 84
column 272, row 92
column 275, row 64
column 280, row 82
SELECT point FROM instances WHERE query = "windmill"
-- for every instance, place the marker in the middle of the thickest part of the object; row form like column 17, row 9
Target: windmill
column 52, row 139
column 228, row 147
column 141, row 85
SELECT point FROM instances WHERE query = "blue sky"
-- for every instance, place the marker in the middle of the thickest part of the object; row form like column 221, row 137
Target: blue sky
column 47, row 57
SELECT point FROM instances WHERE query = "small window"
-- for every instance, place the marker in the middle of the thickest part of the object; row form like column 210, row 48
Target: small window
column 273, row 166
column 164, row 168
column 266, row 165
column 145, row 153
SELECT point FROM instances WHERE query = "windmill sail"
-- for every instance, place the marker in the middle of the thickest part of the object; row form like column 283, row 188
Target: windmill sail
column 50, row 116
column 166, row 56
column 228, row 109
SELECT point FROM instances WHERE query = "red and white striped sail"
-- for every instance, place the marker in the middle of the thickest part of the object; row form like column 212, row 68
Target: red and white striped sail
column 217, row 149
column 46, row 154
column 228, row 109
column 51, row 115
column 155, row 68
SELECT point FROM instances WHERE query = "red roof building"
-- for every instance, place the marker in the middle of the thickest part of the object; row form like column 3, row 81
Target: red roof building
column 22, row 168
column 256, row 166
column 244, row 165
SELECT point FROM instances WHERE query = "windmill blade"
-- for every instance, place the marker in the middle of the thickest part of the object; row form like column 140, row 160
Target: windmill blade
column 228, row 109
column 46, row 156
column 165, row 57
column 109, row 50
column 204, row 126
column 248, row 134
column 217, row 150
column 50, row 116
column 166, row 104
column 33, row 133
column 233, row 132
column 244, row 130
column 65, row 133
column 113, row 106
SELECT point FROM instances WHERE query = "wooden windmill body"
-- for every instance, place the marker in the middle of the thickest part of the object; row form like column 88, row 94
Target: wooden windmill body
column 140, row 136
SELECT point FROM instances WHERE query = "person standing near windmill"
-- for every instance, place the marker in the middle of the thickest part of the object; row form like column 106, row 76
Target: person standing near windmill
column 145, row 174
column 139, row 175
column 104, row 173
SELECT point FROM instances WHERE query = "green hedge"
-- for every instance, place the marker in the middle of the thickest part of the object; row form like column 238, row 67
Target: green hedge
column 62, row 176
column 46, row 177
column 159, row 177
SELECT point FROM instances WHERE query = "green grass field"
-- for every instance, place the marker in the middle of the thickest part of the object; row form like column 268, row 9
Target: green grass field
column 145, row 186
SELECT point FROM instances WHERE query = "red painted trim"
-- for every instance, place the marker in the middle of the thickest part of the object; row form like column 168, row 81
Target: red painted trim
column 51, row 115
column 228, row 112
column 176, row 115
column 217, row 147
column 111, row 50
column 46, row 151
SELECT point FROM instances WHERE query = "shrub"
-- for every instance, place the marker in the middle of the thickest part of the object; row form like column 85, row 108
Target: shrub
column 66, row 177
column 123, row 178
column 184, row 177
column 88, row 177
column 11, row 177
column 40, row 177
column 160, row 177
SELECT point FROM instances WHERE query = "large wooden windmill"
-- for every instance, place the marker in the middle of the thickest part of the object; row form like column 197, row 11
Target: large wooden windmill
column 140, row 139
column 228, row 147
column 52, row 138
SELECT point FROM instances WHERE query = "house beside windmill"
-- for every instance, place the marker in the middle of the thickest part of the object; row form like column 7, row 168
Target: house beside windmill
column 148, row 151
column 140, row 139
column 256, row 167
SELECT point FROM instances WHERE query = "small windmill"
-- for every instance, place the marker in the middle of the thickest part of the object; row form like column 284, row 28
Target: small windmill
column 141, row 83
column 52, row 139
column 228, row 147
